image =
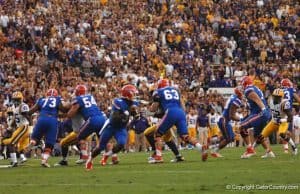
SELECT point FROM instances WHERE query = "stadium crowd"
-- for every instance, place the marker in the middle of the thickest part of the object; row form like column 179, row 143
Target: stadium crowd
column 104, row 44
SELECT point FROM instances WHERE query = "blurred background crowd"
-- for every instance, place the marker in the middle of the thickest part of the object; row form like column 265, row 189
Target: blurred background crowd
column 105, row 43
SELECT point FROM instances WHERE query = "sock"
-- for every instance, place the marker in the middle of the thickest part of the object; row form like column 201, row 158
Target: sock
column 173, row 147
column 109, row 153
column 13, row 157
column 22, row 156
column 84, row 150
column 158, row 145
column 151, row 141
column 285, row 145
column 114, row 155
column 254, row 144
column 46, row 154
column 291, row 142
column 64, row 152
column 198, row 146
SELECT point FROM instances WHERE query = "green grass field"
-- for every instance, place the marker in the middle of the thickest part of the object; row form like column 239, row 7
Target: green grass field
column 134, row 175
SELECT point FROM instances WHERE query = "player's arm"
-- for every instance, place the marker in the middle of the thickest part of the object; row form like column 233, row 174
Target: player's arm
column 33, row 109
column 297, row 97
column 254, row 97
column 64, row 106
column 155, row 104
column 24, row 112
column 73, row 110
column 232, row 112
column 286, row 107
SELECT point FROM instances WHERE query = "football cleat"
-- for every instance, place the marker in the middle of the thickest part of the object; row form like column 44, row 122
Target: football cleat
column 61, row 163
column 295, row 151
column 45, row 164
column 286, row 151
column 249, row 153
column 156, row 159
column 80, row 161
column 1, row 157
column 114, row 160
column 216, row 155
column 13, row 164
column 89, row 165
column 269, row 154
column 103, row 160
column 23, row 160
column 204, row 155
column 177, row 159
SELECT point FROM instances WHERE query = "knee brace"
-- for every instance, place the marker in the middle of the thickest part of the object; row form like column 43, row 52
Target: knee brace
column 244, row 133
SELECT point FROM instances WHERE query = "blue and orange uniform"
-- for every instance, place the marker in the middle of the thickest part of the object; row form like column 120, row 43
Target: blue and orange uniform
column 257, row 119
column 225, row 121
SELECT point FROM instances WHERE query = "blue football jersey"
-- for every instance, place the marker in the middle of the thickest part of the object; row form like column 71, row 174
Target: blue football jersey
column 289, row 95
column 123, row 106
column 88, row 106
column 167, row 97
column 254, row 108
column 49, row 106
column 233, row 100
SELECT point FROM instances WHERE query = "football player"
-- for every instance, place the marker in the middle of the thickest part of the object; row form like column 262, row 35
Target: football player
column 72, row 126
column 228, row 115
column 192, row 118
column 122, row 109
column 47, row 123
column 289, row 94
column 281, row 118
column 20, row 136
column 213, row 131
column 84, row 105
column 168, row 98
column 259, row 114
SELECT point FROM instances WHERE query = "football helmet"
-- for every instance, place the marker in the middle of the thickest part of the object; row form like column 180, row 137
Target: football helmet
column 80, row 90
column 129, row 92
column 238, row 92
column 163, row 83
column 278, row 92
column 52, row 92
column 286, row 83
column 246, row 81
column 17, row 98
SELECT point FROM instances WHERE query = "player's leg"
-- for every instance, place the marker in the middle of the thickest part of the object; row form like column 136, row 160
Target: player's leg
column 16, row 135
column 13, row 155
column 106, row 135
column 22, row 144
column 149, row 134
column 65, row 142
column 227, row 135
column 165, row 124
column 286, row 136
column 121, row 138
column 183, row 133
column 168, row 139
column 50, row 140
column 246, row 124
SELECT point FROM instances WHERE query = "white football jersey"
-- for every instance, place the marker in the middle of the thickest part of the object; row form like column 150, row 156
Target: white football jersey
column 278, row 111
column 213, row 119
column 20, row 119
column 192, row 120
